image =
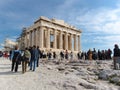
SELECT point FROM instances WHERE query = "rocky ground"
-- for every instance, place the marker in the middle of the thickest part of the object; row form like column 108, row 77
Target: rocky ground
column 61, row 75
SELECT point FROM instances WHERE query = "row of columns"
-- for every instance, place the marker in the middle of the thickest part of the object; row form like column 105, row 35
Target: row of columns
column 37, row 37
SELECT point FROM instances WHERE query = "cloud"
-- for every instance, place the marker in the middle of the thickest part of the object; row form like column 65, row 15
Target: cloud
column 106, row 20
column 109, row 39
column 112, row 27
column 101, row 19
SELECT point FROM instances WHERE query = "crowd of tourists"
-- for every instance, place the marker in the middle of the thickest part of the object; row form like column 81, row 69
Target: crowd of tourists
column 95, row 55
column 4, row 54
column 102, row 55
column 29, row 57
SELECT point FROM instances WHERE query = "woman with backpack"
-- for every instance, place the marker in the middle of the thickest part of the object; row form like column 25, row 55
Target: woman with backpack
column 26, row 59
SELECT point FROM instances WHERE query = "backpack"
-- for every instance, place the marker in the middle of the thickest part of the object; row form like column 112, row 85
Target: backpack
column 16, row 55
column 27, row 54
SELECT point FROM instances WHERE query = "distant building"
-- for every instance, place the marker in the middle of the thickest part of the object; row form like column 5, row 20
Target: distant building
column 51, row 34
column 9, row 44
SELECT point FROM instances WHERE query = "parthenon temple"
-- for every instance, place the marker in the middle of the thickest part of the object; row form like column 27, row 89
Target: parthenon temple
column 52, row 34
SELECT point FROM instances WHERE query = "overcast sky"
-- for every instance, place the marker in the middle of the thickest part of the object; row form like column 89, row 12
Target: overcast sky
column 99, row 20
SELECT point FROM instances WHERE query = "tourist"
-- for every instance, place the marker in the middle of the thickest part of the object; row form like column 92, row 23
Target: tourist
column 49, row 55
column 89, row 53
column 34, row 56
column 71, row 55
column 54, row 55
column 116, row 55
column 99, row 55
column 103, row 54
column 62, row 55
column 83, row 56
column 109, row 52
column 94, row 54
column 30, row 50
column 6, row 55
column 1, row 53
column 10, row 54
column 15, row 60
column 26, row 59
column 79, row 55
column 66, row 55
column 39, row 55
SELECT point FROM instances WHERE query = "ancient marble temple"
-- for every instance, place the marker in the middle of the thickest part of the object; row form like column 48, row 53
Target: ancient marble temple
column 52, row 34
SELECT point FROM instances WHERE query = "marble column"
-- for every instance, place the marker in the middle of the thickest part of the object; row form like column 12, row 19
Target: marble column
column 55, row 41
column 79, row 47
column 71, row 36
column 48, row 38
column 31, row 38
column 26, row 42
column 66, row 41
column 75, row 43
column 61, row 40
column 25, row 39
column 34, row 37
column 41, row 36
column 33, row 42
column 37, row 39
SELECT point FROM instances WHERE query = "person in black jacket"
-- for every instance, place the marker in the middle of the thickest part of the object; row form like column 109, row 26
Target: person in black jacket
column 15, row 59
column 116, row 54
column 39, row 55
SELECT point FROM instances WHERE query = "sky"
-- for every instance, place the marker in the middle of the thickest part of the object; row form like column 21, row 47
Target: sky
column 98, row 19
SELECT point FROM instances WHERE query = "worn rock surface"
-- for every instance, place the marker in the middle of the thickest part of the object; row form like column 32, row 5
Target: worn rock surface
column 61, row 75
